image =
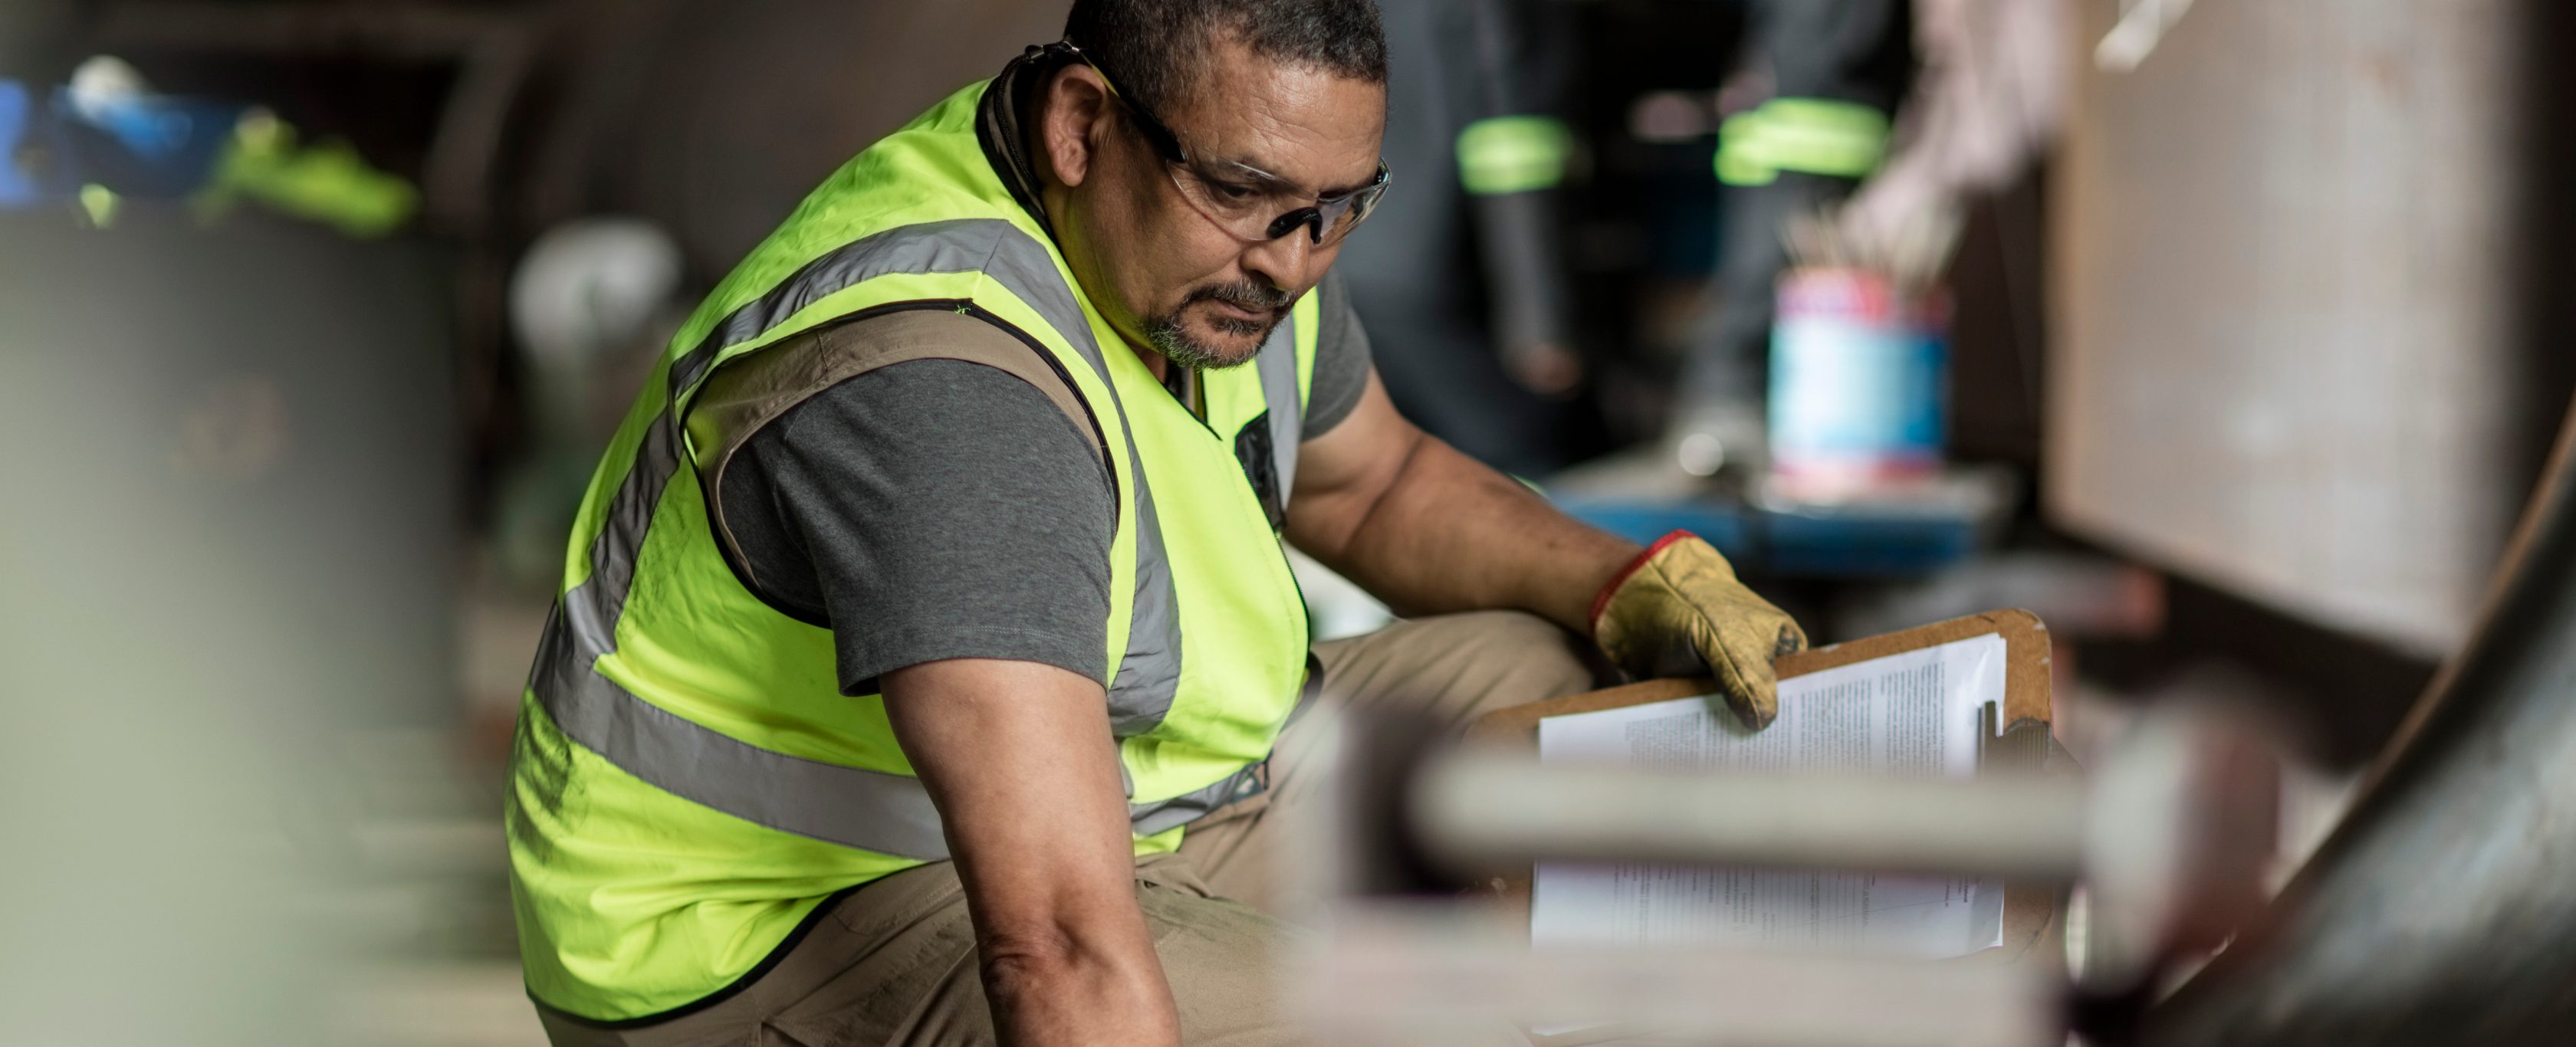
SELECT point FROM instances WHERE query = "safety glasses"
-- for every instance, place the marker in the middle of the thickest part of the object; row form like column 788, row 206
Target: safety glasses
column 1247, row 202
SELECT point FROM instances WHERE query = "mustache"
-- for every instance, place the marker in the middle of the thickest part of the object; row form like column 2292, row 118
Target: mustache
column 1247, row 294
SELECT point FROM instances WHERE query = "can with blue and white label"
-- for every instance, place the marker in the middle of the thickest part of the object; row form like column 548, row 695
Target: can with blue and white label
column 1859, row 385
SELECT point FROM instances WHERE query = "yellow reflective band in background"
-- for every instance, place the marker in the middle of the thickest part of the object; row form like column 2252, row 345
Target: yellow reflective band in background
column 99, row 203
column 326, row 182
column 1513, row 154
column 1809, row 135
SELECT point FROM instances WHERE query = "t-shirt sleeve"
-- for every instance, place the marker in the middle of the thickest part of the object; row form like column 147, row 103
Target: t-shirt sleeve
column 927, row 510
column 1341, row 359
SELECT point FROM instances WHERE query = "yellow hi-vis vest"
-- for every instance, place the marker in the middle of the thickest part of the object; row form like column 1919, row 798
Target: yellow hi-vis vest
column 688, row 785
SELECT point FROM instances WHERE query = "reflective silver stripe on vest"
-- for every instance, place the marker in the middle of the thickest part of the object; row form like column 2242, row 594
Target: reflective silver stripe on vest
column 887, row 813
column 1278, row 363
column 1138, row 703
column 1181, row 810
column 1149, row 675
column 871, row 810
column 1249, row 782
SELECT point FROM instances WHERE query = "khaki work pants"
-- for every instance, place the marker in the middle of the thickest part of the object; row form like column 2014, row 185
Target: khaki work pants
column 894, row 962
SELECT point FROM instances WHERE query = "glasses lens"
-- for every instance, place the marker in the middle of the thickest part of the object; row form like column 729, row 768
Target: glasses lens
column 1243, row 208
column 1343, row 215
column 1254, row 212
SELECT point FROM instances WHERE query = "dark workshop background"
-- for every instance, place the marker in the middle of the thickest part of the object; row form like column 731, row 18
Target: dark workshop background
column 2250, row 372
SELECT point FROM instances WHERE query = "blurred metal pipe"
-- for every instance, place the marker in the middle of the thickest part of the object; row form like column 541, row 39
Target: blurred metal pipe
column 2171, row 835
column 1385, row 978
column 2443, row 910
column 458, row 178
column 1480, row 810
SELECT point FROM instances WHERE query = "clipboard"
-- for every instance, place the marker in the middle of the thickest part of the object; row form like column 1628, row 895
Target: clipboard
column 2033, row 912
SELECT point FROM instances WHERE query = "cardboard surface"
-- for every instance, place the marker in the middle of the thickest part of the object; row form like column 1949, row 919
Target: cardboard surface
column 2031, row 911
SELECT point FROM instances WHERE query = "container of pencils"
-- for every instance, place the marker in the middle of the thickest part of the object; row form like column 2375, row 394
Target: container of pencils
column 1859, row 384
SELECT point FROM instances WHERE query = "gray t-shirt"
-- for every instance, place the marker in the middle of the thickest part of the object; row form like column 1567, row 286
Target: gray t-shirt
column 937, row 509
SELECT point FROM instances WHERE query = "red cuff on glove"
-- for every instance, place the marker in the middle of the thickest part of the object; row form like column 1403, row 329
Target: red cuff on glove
column 1602, row 599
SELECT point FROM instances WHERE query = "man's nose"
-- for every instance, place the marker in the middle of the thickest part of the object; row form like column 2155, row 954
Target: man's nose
column 1284, row 260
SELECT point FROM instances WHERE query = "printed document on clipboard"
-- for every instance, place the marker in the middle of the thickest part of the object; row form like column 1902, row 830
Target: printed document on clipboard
column 1920, row 712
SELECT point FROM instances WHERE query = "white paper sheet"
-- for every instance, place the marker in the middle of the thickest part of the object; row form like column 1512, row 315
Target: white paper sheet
column 1916, row 713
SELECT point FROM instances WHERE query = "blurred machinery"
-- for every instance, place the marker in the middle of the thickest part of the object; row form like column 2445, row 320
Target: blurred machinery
column 2169, row 842
column 2439, row 911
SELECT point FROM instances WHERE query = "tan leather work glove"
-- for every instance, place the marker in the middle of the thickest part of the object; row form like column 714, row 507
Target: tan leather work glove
column 1678, row 611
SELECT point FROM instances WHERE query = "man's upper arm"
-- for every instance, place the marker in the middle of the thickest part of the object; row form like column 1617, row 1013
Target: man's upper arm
column 1053, row 810
column 1355, row 442
column 950, row 522
column 926, row 510
column 1342, row 474
column 1342, row 353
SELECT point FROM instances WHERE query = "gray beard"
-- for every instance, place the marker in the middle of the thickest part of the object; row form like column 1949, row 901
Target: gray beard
column 1178, row 347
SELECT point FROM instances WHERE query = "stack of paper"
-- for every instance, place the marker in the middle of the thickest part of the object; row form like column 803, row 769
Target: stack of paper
column 1916, row 713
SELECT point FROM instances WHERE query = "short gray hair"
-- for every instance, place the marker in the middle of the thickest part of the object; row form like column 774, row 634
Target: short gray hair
column 1156, row 49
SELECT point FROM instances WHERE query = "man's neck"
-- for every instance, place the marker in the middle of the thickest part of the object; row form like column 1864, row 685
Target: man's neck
column 1050, row 205
column 1160, row 365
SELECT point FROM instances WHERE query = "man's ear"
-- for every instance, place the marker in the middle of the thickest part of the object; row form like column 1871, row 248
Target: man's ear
column 1077, row 112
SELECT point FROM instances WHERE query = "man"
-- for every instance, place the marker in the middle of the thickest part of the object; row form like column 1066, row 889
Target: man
column 927, row 637
column 1829, row 72
column 1479, row 355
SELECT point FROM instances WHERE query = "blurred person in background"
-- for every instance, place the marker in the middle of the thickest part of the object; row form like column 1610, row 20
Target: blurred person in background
column 1988, row 94
column 1465, row 286
column 1811, row 102
column 926, row 661
column 1982, row 88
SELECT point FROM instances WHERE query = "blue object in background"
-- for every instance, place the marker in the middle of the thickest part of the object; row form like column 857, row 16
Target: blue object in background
column 147, row 146
column 17, row 125
column 1847, row 541
column 1923, row 531
column 150, row 127
column 152, row 146
column 1859, row 381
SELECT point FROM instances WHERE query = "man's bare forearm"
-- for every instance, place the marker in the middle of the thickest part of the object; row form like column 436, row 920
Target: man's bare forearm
column 1019, row 758
column 1048, row 988
column 1446, row 533
column 1069, row 966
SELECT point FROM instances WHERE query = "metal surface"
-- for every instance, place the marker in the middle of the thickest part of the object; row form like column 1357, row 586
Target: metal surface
column 2170, row 838
column 2171, row 835
column 1480, row 809
column 2284, row 356
column 1391, row 976
column 2443, row 910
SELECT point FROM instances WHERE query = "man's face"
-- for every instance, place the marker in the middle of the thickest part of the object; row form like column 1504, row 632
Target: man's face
column 1166, row 274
